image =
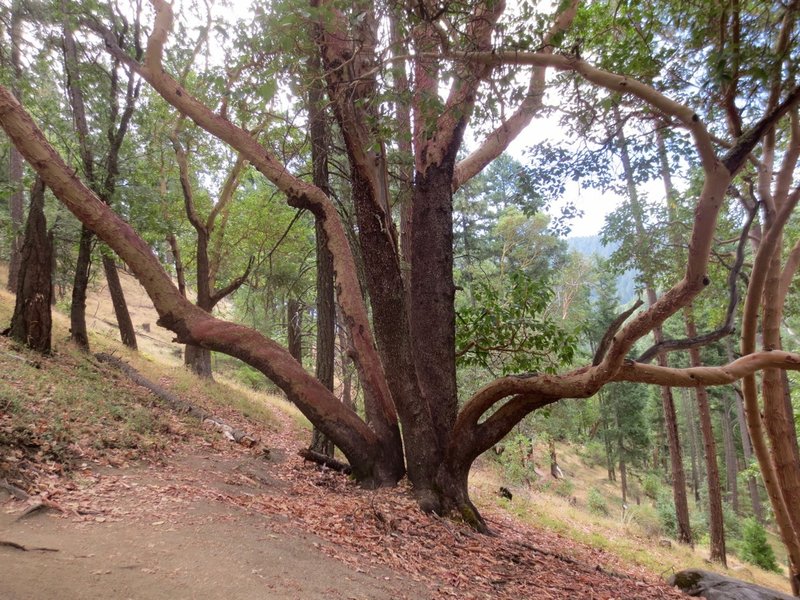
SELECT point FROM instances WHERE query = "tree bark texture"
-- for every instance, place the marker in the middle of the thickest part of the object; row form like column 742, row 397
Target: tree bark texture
column 326, row 302
column 31, row 323
column 80, row 285
column 715, row 519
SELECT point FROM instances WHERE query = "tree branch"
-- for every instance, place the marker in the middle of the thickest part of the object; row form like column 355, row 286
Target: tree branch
column 498, row 140
column 733, row 301
column 233, row 285
column 608, row 337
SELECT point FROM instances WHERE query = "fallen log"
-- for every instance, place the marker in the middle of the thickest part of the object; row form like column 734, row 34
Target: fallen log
column 178, row 404
column 327, row 461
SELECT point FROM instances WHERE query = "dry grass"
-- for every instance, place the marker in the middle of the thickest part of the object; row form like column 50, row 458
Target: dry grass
column 620, row 535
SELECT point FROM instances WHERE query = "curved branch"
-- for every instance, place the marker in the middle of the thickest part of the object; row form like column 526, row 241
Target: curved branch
column 498, row 140
column 709, row 376
column 301, row 194
column 608, row 80
column 234, row 285
column 190, row 323
column 733, row 301
column 608, row 337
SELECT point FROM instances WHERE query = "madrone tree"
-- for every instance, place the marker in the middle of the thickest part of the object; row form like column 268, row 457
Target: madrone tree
column 405, row 353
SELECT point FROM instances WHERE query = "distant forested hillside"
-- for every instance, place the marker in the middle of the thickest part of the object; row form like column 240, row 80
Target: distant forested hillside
column 590, row 245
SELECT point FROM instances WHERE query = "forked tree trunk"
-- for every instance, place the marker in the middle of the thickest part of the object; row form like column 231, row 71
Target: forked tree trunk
column 31, row 322
column 126, row 330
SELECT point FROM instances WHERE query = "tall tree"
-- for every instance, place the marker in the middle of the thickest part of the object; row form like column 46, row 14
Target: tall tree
column 407, row 369
column 100, row 168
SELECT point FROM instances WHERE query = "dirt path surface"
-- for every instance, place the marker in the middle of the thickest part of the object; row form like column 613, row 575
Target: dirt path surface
column 201, row 517
column 214, row 555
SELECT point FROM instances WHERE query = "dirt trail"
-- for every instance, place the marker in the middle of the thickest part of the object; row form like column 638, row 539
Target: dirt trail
column 170, row 531
column 222, row 554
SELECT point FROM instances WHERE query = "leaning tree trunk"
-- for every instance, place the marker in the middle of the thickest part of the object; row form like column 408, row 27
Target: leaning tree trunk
column 31, row 323
column 126, row 331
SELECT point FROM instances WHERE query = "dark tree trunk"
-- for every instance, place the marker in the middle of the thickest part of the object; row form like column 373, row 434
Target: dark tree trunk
column 326, row 308
column 15, row 201
column 715, row 520
column 31, row 322
column 80, row 285
column 667, row 401
column 612, row 476
column 326, row 332
column 176, row 258
column 126, row 331
column 198, row 360
column 294, row 329
column 731, row 459
column 623, row 474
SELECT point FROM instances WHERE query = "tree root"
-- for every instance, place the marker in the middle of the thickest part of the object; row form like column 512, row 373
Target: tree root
column 326, row 461
column 179, row 405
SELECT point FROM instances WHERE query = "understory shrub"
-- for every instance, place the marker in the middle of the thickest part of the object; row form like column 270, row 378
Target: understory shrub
column 596, row 502
column 755, row 548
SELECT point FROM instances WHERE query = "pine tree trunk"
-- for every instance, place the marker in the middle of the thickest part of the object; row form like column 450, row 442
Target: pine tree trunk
column 326, row 331
column 80, row 285
column 31, row 322
column 731, row 459
column 294, row 329
column 126, row 331
column 688, row 415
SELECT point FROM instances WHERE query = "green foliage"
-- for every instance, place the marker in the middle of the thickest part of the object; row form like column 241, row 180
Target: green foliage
column 596, row 502
column 755, row 548
column 652, row 486
column 514, row 459
column 506, row 328
column 665, row 507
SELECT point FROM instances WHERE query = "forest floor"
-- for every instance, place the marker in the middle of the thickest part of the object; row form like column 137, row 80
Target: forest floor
column 134, row 501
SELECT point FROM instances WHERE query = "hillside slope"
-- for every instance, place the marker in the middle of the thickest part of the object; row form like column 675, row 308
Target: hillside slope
column 137, row 501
